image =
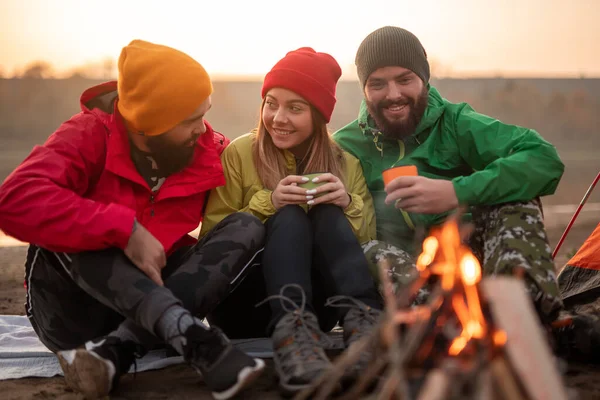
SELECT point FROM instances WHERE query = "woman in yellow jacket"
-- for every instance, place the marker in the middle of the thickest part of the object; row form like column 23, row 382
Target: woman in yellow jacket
column 313, row 243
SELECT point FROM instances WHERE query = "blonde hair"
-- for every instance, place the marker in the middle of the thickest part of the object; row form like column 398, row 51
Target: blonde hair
column 324, row 155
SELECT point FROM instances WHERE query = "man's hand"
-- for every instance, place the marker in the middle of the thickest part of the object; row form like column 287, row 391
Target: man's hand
column 334, row 189
column 288, row 192
column 146, row 252
column 418, row 194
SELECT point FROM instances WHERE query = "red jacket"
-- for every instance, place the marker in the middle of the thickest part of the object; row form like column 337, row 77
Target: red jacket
column 81, row 191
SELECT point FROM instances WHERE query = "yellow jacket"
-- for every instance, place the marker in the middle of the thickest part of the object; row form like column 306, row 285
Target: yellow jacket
column 244, row 191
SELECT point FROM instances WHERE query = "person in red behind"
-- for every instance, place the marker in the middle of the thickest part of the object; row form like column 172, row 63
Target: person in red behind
column 106, row 205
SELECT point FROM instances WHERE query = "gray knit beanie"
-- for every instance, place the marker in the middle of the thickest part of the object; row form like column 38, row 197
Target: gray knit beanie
column 391, row 46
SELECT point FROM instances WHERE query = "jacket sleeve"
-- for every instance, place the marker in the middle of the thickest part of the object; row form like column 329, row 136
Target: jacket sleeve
column 41, row 200
column 228, row 199
column 360, row 212
column 511, row 163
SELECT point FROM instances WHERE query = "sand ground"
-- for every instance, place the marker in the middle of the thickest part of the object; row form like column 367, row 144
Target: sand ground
column 180, row 382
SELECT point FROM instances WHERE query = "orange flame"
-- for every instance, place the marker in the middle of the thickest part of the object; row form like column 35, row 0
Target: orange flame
column 430, row 248
column 460, row 272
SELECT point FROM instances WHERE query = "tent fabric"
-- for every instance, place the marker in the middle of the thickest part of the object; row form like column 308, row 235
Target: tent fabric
column 579, row 280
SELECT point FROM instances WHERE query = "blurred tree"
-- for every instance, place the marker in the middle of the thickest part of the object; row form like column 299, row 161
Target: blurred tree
column 81, row 71
column 77, row 74
column 16, row 73
column 38, row 70
column 103, row 69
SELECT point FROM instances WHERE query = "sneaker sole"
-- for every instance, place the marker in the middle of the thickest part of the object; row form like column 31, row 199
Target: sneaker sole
column 86, row 373
column 245, row 377
column 288, row 391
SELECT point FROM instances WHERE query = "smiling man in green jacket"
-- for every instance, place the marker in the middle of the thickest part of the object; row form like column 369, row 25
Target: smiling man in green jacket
column 463, row 158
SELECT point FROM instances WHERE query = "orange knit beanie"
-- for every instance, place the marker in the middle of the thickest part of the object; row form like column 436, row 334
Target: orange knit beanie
column 159, row 87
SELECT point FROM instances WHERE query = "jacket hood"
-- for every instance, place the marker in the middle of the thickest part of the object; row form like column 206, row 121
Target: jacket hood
column 100, row 99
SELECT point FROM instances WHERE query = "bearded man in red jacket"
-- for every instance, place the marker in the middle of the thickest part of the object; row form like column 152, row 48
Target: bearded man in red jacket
column 106, row 205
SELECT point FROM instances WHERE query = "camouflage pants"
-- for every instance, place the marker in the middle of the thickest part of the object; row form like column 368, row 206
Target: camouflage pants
column 506, row 236
column 72, row 298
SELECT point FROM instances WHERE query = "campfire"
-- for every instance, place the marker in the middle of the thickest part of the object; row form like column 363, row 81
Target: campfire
column 474, row 338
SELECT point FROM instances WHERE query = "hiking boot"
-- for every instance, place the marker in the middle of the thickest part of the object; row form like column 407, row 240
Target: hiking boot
column 577, row 338
column 298, row 344
column 299, row 356
column 225, row 369
column 96, row 369
column 359, row 322
column 547, row 307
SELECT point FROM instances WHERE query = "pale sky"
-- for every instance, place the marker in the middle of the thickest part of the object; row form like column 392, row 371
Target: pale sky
column 471, row 37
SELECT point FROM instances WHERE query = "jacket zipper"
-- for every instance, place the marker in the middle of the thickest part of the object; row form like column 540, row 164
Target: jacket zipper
column 152, row 204
column 401, row 154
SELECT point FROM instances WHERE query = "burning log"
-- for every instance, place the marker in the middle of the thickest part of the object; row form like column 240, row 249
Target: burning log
column 474, row 338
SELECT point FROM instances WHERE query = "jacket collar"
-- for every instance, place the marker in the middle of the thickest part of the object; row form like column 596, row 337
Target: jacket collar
column 204, row 172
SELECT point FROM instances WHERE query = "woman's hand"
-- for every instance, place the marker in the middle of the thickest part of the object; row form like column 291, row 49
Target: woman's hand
column 334, row 189
column 288, row 192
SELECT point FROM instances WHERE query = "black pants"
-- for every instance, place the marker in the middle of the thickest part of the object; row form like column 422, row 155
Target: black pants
column 316, row 250
column 72, row 298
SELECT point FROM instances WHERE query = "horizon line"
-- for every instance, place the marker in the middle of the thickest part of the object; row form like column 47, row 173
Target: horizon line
column 260, row 78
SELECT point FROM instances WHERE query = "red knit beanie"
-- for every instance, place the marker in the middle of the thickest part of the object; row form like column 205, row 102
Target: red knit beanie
column 309, row 74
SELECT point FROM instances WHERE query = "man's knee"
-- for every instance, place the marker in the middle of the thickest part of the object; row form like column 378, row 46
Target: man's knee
column 399, row 264
column 201, row 291
column 243, row 220
column 243, row 227
column 379, row 250
column 513, row 213
column 95, row 266
column 59, row 309
column 503, row 226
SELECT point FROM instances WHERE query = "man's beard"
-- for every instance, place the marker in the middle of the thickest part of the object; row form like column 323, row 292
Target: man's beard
column 169, row 158
column 401, row 128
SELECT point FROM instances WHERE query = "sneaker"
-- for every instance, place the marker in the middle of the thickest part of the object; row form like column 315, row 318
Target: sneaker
column 359, row 322
column 225, row 369
column 96, row 369
column 298, row 344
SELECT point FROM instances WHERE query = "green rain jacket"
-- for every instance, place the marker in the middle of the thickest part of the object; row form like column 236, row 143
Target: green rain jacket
column 488, row 162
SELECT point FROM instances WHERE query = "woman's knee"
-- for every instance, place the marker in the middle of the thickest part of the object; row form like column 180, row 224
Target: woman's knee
column 290, row 211
column 326, row 213
column 330, row 218
column 288, row 216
